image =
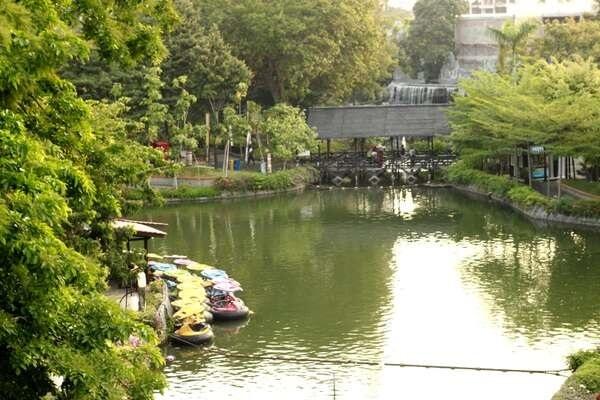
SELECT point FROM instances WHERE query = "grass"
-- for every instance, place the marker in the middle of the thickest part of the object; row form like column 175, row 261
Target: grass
column 585, row 186
column 199, row 171
column 585, row 365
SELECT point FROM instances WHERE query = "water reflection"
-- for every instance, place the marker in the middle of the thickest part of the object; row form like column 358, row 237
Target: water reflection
column 390, row 275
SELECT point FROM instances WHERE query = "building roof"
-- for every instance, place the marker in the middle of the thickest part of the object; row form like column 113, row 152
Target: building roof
column 384, row 120
column 141, row 230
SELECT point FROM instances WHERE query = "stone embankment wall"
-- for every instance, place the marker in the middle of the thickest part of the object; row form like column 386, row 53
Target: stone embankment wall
column 164, row 182
column 535, row 213
column 162, row 316
column 235, row 195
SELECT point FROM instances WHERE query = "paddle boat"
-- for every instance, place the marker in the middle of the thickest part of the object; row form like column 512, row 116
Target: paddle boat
column 228, row 308
column 193, row 334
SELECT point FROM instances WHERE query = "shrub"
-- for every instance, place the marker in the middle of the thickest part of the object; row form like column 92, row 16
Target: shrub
column 579, row 358
column 189, row 192
column 582, row 208
column 136, row 198
column 460, row 173
column 281, row 180
column 154, row 297
column 520, row 194
column 525, row 196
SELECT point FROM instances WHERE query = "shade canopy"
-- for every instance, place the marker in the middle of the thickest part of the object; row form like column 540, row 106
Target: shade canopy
column 141, row 230
column 385, row 120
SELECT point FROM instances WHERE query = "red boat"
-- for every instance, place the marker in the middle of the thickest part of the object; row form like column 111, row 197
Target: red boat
column 228, row 308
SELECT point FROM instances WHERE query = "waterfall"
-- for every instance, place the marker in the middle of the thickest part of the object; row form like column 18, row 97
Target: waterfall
column 420, row 94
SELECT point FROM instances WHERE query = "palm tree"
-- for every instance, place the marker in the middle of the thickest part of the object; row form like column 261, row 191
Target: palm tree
column 510, row 38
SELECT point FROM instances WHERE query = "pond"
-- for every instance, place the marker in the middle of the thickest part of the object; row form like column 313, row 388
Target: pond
column 385, row 276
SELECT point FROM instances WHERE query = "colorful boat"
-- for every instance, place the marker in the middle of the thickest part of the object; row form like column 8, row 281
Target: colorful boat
column 193, row 334
column 214, row 274
column 228, row 308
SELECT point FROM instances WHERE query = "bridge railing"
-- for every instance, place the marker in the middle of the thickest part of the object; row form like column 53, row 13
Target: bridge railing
column 349, row 160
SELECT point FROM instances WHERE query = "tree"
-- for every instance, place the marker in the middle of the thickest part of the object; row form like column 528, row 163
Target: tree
column 63, row 168
column 237, row 125
column 183, row 133
column 154, row 112
column 313, row 51
column 214, row 75
column 430, row 36
column 564, row 40
column 511, row 40
column 551, row 105
column 286, row 132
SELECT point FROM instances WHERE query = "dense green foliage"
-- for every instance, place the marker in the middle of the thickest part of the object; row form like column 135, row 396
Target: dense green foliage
column 286, row 132
column 221, row 53
column 500, row 186
column 551, row 105
column 306, row 52
column 511, row 40
column 281, row 180
column 430, row 38
column 63, row 164
column 214, row 75
column 565, row 40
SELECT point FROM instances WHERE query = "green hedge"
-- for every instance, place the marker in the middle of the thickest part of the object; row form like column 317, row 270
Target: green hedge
column 189, row 192
column 520, row 194
column 252, row 181
column 583, row 208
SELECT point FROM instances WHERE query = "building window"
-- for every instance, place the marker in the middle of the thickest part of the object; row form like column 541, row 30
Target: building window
column 489, row 7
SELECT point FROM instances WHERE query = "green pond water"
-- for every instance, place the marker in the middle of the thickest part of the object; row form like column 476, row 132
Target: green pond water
column 397, row 276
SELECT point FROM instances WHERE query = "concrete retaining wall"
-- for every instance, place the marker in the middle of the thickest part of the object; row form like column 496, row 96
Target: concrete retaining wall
column 164, row 312
column 233, row 196
column 164, row 182
column 535, row 213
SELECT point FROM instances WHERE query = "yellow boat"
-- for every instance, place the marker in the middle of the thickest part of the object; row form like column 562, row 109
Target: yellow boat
column 193, row 334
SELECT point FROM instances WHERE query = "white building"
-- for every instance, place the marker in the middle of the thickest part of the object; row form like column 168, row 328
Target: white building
column 475, row 47
column 530, row 8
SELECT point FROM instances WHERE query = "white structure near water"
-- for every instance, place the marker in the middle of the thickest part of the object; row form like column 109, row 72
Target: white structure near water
column 530, row 8
column 475, row 47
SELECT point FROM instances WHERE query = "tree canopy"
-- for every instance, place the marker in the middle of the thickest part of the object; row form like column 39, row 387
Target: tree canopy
column 287, row 132
column 511, row 39
column 430, row 37
column 564, row 40
column 63, row 166
column 313, row 51
column 214, row 75
column 554, row 105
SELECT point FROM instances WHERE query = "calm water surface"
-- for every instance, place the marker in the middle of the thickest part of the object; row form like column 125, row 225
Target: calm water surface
column 408, row 276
